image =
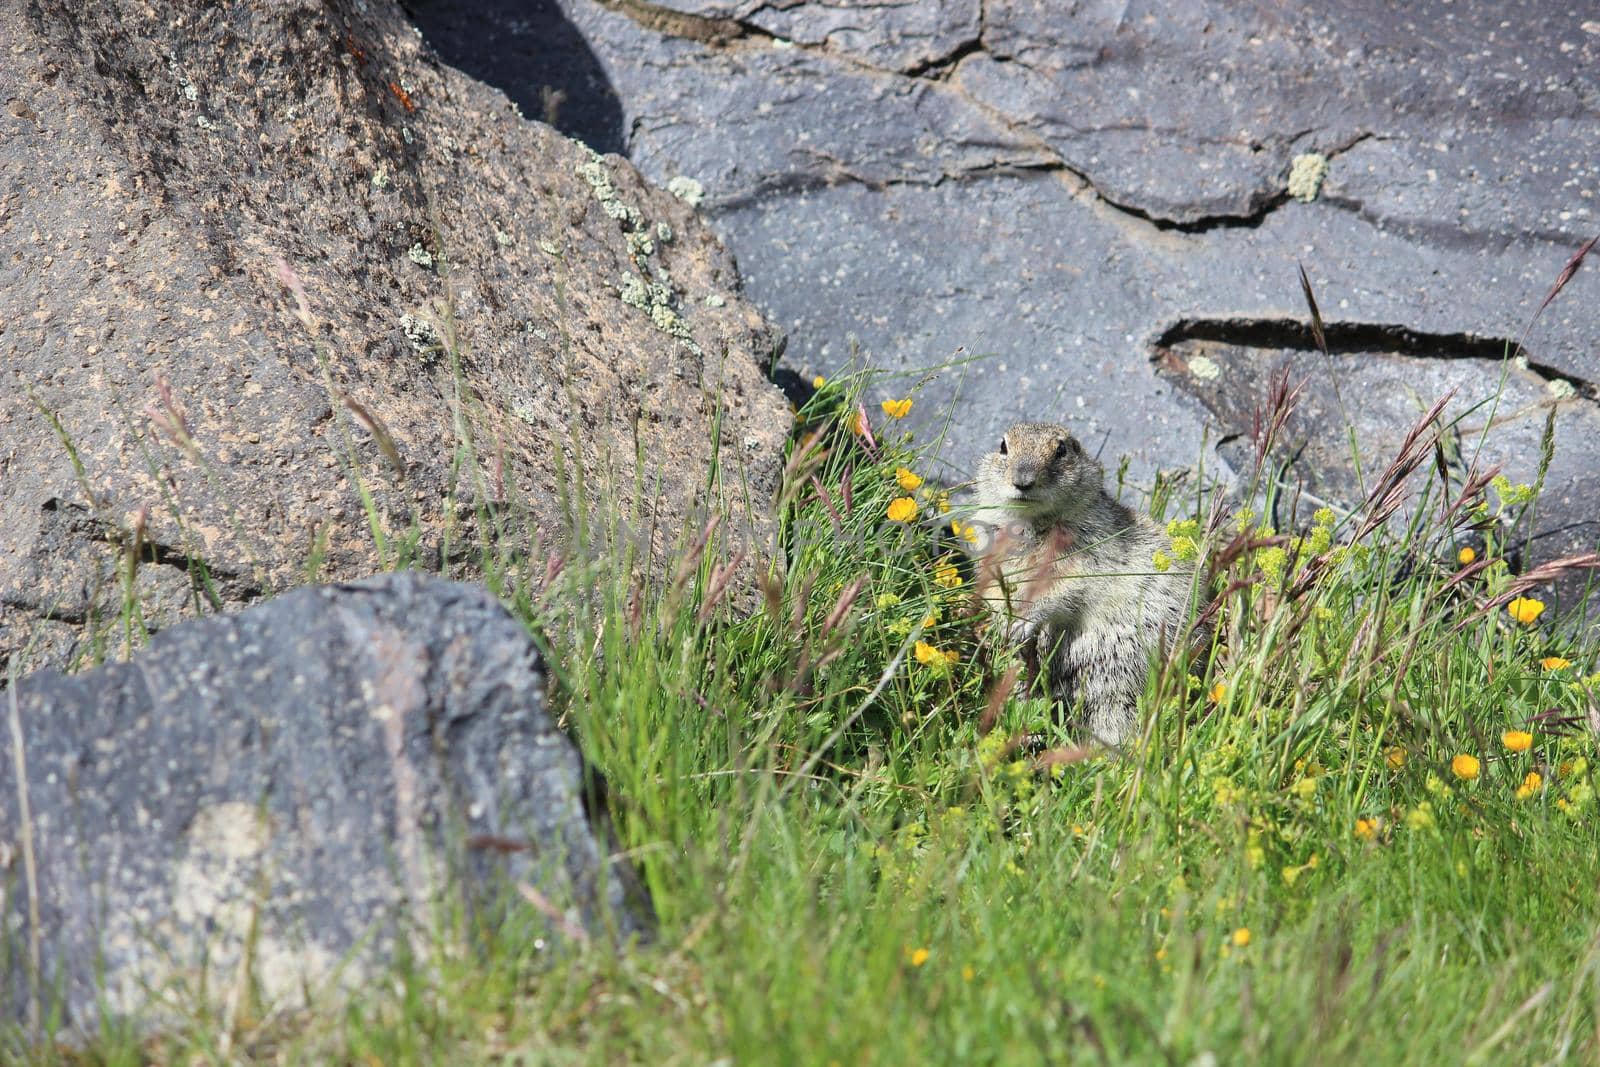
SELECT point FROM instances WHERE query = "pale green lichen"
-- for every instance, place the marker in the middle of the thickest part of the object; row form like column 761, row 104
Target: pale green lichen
column 687, row 189
column 640, row 245
column 1204, row 369
column 420, row 256
column 1306, row 174
column 714, row 300
column 1560, row 389
column 663, row 233
column 656, row 300
column 549, row 247
column 421, row 333
column 502, row 238
column 380, row 177
column 594, row 172
column 524, row 409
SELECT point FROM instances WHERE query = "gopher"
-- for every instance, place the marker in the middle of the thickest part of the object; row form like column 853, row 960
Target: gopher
column 1069, row 576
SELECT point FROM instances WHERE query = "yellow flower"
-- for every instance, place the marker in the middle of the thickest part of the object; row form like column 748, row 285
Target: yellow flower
column 1395, row 758
column 1162, row 561
column 1305, row 788
column 1217, row 692
column 1466, row 555
column 1555, row 663
column 1367, row 829
column 918, row 956
column 1465, row 767
column 1525, row 609
column 1532, row 782
column 902, row 509
column 897, row 409
column 945, row 574
column 930, row 656
column 1420, row 817
column 1241, row 937
column 906, row 479
column 967, row 973
column 818, row 382
column 964, row 530
column 1517, row 740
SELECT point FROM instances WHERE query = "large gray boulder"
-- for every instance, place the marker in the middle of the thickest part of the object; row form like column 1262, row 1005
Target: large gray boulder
column 284, row 797
column 1087, row 193
column 488, row 307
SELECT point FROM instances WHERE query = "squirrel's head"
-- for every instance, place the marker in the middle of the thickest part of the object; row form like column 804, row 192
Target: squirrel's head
column 1041, row 470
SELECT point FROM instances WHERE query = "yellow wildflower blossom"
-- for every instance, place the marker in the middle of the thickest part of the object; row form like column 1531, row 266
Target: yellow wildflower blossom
column 1555, row 663
column 1465, row 767
column 1395, row 758
column 1466, row 555
column 1525, row 609
column 1241, row 937
column 818, row 382
column 1517, row 740
column 902, row 509
column 1217, row 693
column 964, row 530
column 918, row 956
column 945, row 574
column 1532, row 782
column 1366, row 829
column 897, row 409
column 907, row 480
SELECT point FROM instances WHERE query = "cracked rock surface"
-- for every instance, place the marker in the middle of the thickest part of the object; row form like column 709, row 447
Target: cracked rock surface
column 1054, row 187
column 272, row 803
column 486, row 303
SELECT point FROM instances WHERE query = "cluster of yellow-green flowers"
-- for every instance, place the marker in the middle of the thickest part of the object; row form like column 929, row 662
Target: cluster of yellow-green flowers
column 1184, row 535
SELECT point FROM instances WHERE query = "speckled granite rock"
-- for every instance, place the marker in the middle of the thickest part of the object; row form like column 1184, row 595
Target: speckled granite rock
column 306, row 778
column 479, row 288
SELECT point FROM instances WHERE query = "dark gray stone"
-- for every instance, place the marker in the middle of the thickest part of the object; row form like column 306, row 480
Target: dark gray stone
column 292, row 791
column 1059, row 191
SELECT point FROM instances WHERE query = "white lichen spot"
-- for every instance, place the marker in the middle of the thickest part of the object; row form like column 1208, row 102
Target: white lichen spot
column 1205, row 369
column 663, row 233
column 502, row 238
column 420, row 256
column 405, row 134
column 640, row 245
column 190, row 93
column 687, row 189
column 1560, row 389
column 714, row 300
column 380, row 177
column 422, row 334
column 523, row 409
column 549, row 247
column 205, row 123
column 1306, row 174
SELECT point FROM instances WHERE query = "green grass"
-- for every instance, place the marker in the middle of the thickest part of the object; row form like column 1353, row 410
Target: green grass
column 848, row 867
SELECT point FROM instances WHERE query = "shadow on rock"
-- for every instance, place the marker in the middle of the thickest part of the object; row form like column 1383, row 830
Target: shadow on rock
column 528, row 50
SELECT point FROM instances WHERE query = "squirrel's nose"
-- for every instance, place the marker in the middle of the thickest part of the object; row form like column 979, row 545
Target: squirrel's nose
column 1022, row 481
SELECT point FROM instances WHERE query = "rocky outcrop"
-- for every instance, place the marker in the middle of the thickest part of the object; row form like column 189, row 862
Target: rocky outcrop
column 1067, row 191
column 268, row 804
column 282, row 292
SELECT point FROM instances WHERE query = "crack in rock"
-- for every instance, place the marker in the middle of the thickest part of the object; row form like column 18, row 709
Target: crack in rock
column 1352, row 337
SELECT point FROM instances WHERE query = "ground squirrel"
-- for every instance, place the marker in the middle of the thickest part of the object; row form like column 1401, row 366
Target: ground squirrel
column 1069, row 576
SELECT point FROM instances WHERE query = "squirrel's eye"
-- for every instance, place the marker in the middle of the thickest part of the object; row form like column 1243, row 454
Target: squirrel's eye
column 1002, row 446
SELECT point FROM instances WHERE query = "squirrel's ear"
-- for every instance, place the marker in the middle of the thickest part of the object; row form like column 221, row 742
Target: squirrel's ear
column 1002, row 446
